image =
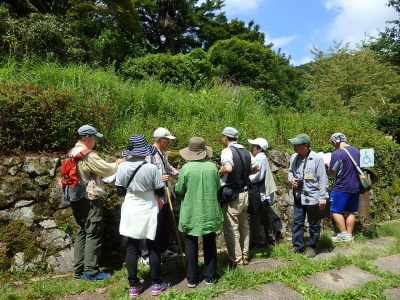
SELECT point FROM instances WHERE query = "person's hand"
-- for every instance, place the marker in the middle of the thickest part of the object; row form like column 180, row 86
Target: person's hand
column 293, row 182
column 119, row 160
column 321, row 205
column 165, row 178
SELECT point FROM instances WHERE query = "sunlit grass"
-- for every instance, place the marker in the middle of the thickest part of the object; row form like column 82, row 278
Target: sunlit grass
column 292, row 275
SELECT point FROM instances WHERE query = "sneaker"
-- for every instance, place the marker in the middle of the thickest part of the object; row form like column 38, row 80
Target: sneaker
column 245, row 260
column 295, row 250
column 98, row 276
column 135, row 291
column 209, row 282
column 168, row 254
column 78, row 275
column 342, row 237
column 191, row 285
column 240, row 263
column 310, row 252
column 145, row 261
column 158, row 288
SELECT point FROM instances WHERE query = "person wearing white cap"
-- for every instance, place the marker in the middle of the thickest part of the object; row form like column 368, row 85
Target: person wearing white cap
column 88, row 211
column 236, row 165
column 159, row 158
column 267, row 187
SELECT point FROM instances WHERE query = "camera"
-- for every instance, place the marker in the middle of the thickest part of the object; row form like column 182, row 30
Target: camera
column 300, row 182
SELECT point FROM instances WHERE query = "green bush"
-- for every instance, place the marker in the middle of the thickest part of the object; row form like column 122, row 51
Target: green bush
column 120, row 108
column 390, row 123
column 191, row 70
column 35, row 119
column 40, row 35
column 256, row 65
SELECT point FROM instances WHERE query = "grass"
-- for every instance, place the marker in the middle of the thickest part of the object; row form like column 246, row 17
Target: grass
column 238, row 279
column 123, row 107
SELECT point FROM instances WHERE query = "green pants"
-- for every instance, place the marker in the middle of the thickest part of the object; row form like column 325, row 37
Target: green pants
column 88, row 216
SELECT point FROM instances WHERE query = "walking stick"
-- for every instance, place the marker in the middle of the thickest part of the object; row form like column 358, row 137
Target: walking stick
column 175, row 226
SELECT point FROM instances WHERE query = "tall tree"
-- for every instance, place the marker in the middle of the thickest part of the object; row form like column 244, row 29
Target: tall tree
column 179, row 26
column 352, row 80
column 387, row 45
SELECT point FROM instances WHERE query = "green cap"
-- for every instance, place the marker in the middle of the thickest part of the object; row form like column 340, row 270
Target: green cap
column 300, row 139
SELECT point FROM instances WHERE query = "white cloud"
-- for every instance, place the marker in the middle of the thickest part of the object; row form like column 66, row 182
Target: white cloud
column 234, row 6
column 302, row 61
column 355, row 18
column 280, row 41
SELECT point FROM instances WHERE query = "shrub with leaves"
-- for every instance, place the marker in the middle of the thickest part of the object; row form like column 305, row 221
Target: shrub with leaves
column 390, row 123
column 191, row 70
column 33, row 118
column 258, row 66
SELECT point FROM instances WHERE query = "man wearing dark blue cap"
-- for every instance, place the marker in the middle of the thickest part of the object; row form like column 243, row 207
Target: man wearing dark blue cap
column 88, row 211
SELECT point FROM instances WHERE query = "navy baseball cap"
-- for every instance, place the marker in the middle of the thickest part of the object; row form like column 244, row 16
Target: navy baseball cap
column 88, row 130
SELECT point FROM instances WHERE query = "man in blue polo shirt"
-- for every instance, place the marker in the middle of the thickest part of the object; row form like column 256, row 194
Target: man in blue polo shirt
column 345, row 195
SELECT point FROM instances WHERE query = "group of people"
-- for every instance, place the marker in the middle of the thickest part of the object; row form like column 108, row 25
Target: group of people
column 143, row 174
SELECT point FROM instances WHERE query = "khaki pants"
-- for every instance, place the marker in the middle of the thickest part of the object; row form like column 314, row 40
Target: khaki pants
column 236, row 227
column 87, row 249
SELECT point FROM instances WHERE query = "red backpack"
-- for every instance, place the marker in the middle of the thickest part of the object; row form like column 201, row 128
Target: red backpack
column 74, row 188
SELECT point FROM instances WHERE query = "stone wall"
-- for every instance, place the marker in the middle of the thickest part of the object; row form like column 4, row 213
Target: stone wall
column 37, row 227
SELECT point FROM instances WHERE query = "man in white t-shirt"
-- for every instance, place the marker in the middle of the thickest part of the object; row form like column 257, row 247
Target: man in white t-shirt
column 236, row 166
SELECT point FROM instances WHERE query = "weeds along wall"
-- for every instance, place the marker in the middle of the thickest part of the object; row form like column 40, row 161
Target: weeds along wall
column 42, row 105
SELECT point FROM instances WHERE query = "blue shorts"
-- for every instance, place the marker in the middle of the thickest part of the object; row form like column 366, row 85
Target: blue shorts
column 344, row 202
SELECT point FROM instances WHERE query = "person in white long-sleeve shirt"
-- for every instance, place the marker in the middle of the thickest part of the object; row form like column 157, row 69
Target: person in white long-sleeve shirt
column 266, row 184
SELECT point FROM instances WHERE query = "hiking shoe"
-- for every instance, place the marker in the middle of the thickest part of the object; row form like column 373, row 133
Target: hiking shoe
column 295, row 250
column 158, row 288
column 135, row 291
column 310, row 252
column 78, row 275
column 168, row 254
column 98, row 276
column 191, row 285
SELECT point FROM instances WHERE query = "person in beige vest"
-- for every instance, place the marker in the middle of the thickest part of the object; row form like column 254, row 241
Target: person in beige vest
column 88, row 212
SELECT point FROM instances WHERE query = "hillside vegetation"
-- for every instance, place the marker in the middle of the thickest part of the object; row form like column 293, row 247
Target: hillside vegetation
column 129, row 67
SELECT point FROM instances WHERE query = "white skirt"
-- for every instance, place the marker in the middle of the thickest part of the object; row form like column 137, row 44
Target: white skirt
column 139, row 216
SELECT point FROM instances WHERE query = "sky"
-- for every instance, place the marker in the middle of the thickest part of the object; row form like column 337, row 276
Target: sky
column 294, row 26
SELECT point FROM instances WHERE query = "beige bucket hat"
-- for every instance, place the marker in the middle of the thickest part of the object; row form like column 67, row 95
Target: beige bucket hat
column 196, row 149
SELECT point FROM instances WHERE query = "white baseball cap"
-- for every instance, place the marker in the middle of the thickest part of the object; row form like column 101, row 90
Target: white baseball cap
column 260, row 142
column 163, row 132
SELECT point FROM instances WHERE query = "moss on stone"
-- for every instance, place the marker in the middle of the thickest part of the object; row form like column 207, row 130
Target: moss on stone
column 65, row 220
column 281, row 178
column 17, row 238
